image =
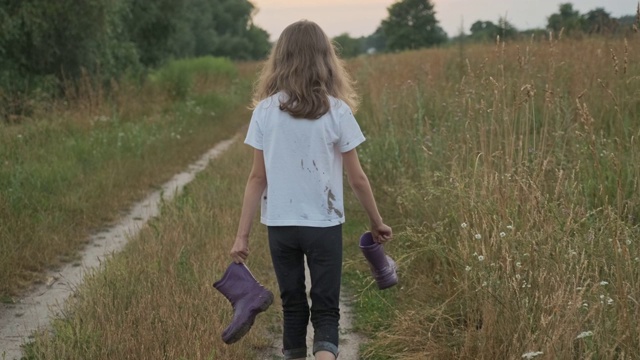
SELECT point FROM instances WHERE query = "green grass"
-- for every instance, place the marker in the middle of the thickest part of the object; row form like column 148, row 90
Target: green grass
column 68, row 174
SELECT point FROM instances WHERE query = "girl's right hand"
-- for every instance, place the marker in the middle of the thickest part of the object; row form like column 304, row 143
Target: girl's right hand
column 381, row 233
column 240, row 250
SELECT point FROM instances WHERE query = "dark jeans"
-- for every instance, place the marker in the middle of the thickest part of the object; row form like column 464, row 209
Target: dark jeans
column 323, row 249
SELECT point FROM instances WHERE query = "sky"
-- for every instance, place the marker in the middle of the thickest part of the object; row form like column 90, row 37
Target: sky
column 362, row 17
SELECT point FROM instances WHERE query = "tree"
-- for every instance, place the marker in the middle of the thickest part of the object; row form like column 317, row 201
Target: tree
column 488, row 31
column 348, row 46
column 568, row 19
column 484, row 30
column 599, row 21
column 375, row 42
column 151, row 23
column 412, row 24
column 219, row 28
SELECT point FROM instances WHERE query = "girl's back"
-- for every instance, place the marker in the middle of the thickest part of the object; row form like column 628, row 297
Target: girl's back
column 303, row 162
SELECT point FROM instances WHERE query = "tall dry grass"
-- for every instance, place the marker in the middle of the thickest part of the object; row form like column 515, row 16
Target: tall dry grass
column 511, row 173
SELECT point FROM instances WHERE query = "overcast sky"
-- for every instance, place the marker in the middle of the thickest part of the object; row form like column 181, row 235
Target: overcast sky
column 362, row 17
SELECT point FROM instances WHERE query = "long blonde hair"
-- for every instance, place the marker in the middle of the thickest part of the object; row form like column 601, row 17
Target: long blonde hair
column 304, row 65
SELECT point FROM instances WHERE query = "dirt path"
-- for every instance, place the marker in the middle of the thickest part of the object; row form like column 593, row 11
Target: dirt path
column 349, row 340
column 34, row 311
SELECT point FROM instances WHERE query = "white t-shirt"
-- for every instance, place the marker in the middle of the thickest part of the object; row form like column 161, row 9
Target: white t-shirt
column 303, row 161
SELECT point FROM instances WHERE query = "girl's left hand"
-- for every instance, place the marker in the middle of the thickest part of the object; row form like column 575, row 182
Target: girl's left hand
column 240, row 250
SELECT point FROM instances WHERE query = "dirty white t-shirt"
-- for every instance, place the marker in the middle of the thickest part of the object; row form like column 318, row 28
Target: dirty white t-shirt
column 303, row 161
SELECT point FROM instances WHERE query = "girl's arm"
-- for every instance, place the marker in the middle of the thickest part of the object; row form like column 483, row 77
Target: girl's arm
column 361, row 187
column 253, row 191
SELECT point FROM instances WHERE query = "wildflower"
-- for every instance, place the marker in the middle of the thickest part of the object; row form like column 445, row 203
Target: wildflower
column 530, row 355
column 518, row 264
column 484, row 284
column 463, row 225
column 468, row 268
column 480, row 258
column 510, row 227
column 628, row 241
column 585, row 305
column 503, row 234
column 478, row 236
column 584, row 334
column 603, row 283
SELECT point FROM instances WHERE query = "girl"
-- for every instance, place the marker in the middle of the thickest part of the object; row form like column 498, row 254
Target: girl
column 303, row 132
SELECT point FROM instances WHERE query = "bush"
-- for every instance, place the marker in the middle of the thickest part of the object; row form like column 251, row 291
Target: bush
column 181, row 77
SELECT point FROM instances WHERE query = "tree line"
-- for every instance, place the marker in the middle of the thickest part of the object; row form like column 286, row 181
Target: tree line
column 44, row 42
column 412, row 24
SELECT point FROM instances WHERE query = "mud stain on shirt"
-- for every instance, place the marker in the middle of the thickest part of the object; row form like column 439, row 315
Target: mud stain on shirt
column 330, row 207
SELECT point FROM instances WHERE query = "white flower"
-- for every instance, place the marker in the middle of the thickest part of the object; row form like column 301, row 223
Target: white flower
column 510, row 227
column 609, row 301
column 503, row 234
column 603, row 283
column 584, row 334
column 484, row 283
column 518, row 264
column 468, row 268
column 531, row 354
column 478, row 236
column 480, row 258
column 628, row 241
column 463, row 225
column 585, row 305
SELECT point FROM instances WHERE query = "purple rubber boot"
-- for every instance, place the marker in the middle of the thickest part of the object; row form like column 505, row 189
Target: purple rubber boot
column 382, row 266
column 247, row 297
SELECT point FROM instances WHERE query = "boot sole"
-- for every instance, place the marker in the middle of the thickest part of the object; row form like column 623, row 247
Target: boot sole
column 246, row 326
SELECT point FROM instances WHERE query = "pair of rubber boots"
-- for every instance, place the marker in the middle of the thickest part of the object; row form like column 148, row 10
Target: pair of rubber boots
column 383, row 268
column 249, row 298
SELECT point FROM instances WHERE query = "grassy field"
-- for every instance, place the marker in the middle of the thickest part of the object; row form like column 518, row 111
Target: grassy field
column 80, row 162
column 510, row 173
